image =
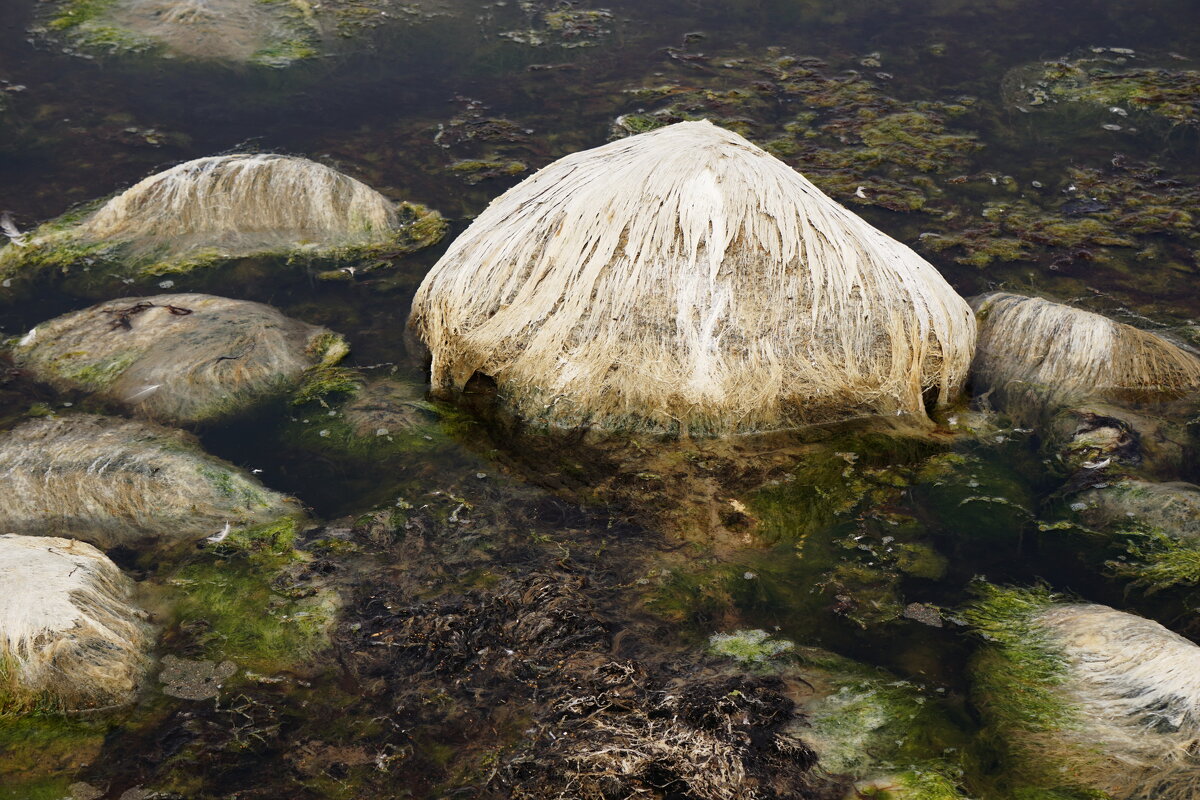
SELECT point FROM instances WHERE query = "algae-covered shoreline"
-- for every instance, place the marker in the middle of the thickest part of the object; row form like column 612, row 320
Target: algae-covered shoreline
column 460, row 604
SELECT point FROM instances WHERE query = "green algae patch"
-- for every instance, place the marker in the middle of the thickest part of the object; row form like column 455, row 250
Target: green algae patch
column 1156, row 561
column 749, row 647
column 1017, row 671
column 891, row 735
column 1112, row 81
column 249, row 600
column 42, row 753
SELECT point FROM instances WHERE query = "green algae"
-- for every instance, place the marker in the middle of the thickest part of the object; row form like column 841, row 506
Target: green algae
column 749, row 647
column 1111, row 82
column 243, row 601
column 1016, row 673
column 41, row 752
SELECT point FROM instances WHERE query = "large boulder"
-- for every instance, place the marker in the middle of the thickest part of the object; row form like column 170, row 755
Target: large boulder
column 69, row 635
column 117, row 482
column 213, row 211
column 1087, row 697
column 1035, row 356
column 686, row 279
column 177, row 358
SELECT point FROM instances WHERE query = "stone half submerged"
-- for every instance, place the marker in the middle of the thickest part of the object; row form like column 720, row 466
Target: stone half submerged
column 210, row 211
column 685, row 279
column 115, row 482
column 177, row 358
column 69, row 636
column 1035, row 356
column 1089, row 697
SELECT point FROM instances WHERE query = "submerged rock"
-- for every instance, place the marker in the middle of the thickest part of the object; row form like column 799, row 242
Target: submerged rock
column 178, row 358
column 242, row 31
column 116, row 482
column 69, row 636
column 212, row 211
column 684, row 279
column 1035, row 356
column 1173, row 508
column 1088, row 697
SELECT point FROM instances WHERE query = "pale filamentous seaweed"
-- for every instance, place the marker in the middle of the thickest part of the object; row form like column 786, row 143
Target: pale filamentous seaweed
column 686, row 279
column 69, row 636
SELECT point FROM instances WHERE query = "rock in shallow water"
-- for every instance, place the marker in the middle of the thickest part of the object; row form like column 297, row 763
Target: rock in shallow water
column 118, row 482
column 183, row 223
column 177, row 358
column 1035, row 356
column 1088, row 697
column 686, row 279
column 69, row 635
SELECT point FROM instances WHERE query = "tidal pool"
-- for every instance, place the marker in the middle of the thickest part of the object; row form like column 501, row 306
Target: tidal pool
column 469, row 607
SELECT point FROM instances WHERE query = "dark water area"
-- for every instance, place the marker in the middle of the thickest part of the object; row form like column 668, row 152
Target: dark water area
column 443, row 107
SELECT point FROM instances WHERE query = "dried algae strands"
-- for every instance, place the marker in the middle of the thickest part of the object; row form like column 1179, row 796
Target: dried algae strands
column 177, row 358
column 1090, row 696
column 1036, row 355
column 684, row 279
column 117, row 482
column 69, row 636
column 212, row 211
column 244, row 203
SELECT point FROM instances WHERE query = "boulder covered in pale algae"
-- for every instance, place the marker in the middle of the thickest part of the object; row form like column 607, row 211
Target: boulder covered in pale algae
column 1035, row 356
column 178, row 358
column 183, row 223
column 1088, row 698
column 686, row 280
column 70, row 638
column 117, row 482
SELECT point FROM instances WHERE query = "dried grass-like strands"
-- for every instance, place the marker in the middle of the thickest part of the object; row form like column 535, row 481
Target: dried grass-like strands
column 120, row 482
column 684, row 278
column 242, row 204
column 69, row 637
column 179, row 358
column 1135, row 687
column 1035, row 355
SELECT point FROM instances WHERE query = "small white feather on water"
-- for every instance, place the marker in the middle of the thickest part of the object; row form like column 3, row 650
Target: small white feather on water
column 220, row 535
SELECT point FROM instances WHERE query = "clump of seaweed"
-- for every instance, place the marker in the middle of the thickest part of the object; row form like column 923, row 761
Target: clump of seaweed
column 608, row 727
column 1110, row 80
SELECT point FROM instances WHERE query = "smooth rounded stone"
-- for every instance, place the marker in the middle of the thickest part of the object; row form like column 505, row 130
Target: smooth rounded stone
column 177, row 358
column 684, row 279
column 1172, row 507
column 1088, row 697
column 116, row 482
column 69, row 634
column 1035, row 356
column 184, row 222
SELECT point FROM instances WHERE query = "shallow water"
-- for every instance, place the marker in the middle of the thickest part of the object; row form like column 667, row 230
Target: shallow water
column 408, row 106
